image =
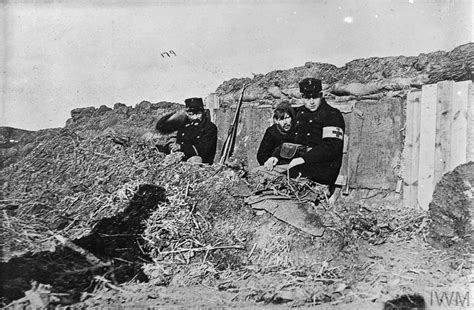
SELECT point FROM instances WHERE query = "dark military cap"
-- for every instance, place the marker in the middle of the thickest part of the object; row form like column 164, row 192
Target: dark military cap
column 194, row 104
column 310, row 87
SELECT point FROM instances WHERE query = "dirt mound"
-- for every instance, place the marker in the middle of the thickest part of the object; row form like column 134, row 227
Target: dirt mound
column 67, row 184
column 206, row 235
column 17, row 143
column 125, row 120
column 452, row 209
column 202, row 233
column 381, row 73
column 114, row 248
column 122, row 122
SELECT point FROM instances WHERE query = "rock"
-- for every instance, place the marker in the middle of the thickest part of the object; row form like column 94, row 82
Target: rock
column 120, row 108
column 144, row 105
column 452, row 208
column 82, row 112
column 103, row 109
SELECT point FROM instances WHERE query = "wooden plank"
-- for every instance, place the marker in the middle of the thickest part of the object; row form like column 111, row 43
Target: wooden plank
column 342, row 179
column 212, row 103
column 459, row 125
column 443, row 129
column 416, row 149
column 470, row 125
column 294, row 213
column 427, row 145
column 345, row 146
column 411, row 150
column 408, row 151
column 346, row 169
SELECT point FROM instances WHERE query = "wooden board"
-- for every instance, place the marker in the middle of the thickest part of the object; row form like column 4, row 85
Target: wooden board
column 411, row 149
column 443, row 129
column 459, row 126
column 344, row 171
column 290, row 212
column 427, row 145
column 375, row 143
column 211, row 102
column 470, row 125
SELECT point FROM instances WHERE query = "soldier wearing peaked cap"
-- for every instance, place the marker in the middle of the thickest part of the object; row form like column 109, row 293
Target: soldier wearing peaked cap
column 196, row 135
column 320, row 129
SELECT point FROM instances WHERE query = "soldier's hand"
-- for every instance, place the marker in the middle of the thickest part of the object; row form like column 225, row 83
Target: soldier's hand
column 174, row 147
column 270, row 163
column 296, row 162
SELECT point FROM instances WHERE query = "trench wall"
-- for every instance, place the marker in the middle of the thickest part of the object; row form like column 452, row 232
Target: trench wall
column 439, row 137
column 374, row 144
column 399, row 143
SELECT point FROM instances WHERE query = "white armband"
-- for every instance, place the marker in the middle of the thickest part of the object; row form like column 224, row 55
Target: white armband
column 333, row 132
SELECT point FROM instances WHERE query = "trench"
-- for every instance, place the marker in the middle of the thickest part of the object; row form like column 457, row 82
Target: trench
column 116, row 240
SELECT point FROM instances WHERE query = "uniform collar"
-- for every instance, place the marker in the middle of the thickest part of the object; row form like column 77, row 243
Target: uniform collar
column 200, row 124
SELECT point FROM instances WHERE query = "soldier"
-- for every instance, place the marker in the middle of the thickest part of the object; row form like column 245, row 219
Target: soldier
column 280, row 132
column 320, row 129
column 196, row 134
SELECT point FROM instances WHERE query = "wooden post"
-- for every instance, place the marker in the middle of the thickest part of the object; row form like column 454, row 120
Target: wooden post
column 427, row 145
column 212, row 103
column 470, row 125
column 443, row 129
column 412, row 149
column 459, row 127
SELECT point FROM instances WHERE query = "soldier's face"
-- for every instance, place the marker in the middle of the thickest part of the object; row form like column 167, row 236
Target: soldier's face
column 312, row 104
column 285, row 122
column 195, row 117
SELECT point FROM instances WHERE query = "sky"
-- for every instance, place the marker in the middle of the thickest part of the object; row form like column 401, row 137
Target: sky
column 61, row 55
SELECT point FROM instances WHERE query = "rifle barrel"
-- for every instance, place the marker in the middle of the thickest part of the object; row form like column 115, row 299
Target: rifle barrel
column 229, row 143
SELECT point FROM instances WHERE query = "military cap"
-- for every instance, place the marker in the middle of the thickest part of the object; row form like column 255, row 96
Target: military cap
column 194, row 104
column 310, row 87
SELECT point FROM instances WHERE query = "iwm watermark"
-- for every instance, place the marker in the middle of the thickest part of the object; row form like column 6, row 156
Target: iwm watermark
column 449, row 299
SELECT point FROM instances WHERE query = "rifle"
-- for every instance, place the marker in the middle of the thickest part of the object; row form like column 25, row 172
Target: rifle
column 229, row 143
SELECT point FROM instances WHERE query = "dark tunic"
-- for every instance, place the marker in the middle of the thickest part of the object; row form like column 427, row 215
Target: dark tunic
column 323, row 161
column 198, row 140
column 272, row 139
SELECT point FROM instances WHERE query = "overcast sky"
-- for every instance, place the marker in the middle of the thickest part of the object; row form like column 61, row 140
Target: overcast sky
column 60, row 55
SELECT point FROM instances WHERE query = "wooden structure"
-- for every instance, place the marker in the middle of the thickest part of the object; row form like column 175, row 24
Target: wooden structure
column 212, row 103
column 395, row 145
column 439, row 136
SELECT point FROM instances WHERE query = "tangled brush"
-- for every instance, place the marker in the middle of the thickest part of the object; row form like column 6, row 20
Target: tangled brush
column 67, row 184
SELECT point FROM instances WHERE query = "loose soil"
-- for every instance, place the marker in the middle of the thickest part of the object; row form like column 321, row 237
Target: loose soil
column 156, row 231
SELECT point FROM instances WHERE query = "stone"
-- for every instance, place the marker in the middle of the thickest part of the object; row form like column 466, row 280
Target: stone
column 452, row 208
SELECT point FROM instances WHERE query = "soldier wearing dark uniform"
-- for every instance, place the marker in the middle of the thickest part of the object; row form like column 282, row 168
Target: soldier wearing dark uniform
column 281, row 131
column 320, row 128
column 196, row 135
